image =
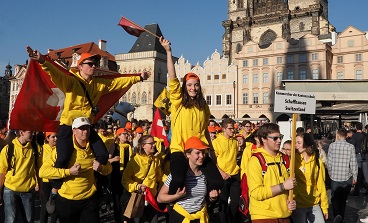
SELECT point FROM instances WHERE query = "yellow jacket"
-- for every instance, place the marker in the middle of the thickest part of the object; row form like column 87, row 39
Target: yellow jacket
column 185, row 122
column 226, row 151
column 78, row 187
column 201, row 214
column 47, row 155
column 76, row 103
column 137, row 169
column 247, row 153
column 311, row 188
column 22, row 177
column 108, row 140
column 262, row 204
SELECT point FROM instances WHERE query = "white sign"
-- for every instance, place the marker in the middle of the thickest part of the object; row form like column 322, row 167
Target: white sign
column 294, row 102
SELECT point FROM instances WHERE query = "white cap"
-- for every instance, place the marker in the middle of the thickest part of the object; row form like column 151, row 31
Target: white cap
column 81, row 121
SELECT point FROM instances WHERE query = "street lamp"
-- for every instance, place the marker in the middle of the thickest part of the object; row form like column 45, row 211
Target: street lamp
column 234, row 85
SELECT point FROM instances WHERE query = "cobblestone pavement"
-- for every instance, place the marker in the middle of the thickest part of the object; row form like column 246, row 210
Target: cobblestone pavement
column 356, row 209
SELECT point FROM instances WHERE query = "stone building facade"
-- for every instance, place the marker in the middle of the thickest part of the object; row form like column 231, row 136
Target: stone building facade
column 5, row 93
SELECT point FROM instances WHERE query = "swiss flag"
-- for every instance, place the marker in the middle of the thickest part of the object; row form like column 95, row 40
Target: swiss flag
column 130, row 27
column 158, row 128
column 39, row 104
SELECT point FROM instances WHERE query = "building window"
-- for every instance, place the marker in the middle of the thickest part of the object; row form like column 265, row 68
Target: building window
column 245, row 78
column 245, row 98
column 279, row 76
column 255, row 78
column 144, row 98
column 218, row 99
column 340, row 59
column 359, row 74
column 290, row 75
column 303, row 58
column 302, row 74
column 255, row 62
column 223, row 76
column 255, row 98
column 265, row 77
column 350, row 43
column 208, row 77
column 358, row 57
column 279, row 60
column 301, row 26
column 314, row 56
column 245, row 63
column 124, row 98
column 315, row 74
column 290, row 59
column 265, row 97
column 228, row 99
column 209, row 99
column 340, row 75
column 265, row 61
column 217, row 77
column 134, row 99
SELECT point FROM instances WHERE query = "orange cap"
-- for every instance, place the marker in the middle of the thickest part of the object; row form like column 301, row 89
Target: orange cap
column 120, row 130
column 191, row 76
column 236, row 126
column 128, row 126
column 211, row 129
column 47, row 134
column 239, row 135
column 218, row 128
column 139, row 130
column 85, row 56
column 195, row 143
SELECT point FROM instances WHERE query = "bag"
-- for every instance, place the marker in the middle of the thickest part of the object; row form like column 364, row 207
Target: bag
column 135, row 206
column 244, row 198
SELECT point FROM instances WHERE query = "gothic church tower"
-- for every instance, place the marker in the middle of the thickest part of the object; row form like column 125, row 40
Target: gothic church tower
column 262, row 21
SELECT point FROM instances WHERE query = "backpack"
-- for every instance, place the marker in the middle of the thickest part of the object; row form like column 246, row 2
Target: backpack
column 244, row 197
column 11, row 153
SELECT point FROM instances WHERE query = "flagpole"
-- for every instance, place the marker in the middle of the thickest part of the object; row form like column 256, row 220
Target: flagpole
column 142, row 28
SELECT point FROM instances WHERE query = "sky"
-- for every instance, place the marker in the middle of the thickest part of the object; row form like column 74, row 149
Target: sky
column 194, row 27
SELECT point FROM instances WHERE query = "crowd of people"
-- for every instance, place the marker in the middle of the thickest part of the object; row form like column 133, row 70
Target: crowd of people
column 197, row 178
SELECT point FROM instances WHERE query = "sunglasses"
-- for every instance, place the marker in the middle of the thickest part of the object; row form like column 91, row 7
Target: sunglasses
column 275, row 138
column 151, row 143
column 90, row 64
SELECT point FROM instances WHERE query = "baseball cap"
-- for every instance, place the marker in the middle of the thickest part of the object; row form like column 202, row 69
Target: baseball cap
column 218, row 128
column 128, row 126
column 81, row 121
column 195, row 143
column 211, row 129
column 47, row 134
column 139, row 130
column 191, row 76
column 85, row 56
column 120, row 130
column 239, row 135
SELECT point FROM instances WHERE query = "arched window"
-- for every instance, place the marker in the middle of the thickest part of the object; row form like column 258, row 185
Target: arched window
column 134, row 98
column 144, row 98
column 124, row 98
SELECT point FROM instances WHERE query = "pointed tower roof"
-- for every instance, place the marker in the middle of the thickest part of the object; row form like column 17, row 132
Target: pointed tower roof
column 147, row 42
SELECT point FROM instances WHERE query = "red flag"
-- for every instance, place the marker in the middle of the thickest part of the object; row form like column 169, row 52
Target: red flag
column 130, row 27
column 152, row 200
column 158, row 128
column 39, row 104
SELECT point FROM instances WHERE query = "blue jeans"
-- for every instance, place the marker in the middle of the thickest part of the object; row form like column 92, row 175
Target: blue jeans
column 339, row 195
column 310, row 214
column 27, row 201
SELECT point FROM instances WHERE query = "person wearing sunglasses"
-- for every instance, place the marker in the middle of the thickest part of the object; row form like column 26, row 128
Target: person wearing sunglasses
column 246, row 129
column 269, row 190
column 143, row 171
column 190, row 116
column 310, row 193
column 80, row 89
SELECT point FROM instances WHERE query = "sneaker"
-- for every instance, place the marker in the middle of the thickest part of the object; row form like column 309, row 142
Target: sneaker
column 364, row 220
column 337, row 219
column 50, row 205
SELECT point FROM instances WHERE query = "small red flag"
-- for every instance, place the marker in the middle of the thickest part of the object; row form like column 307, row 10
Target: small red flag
column 152, row 200
column 130, row 27
column 158, row 128
column 39, row 104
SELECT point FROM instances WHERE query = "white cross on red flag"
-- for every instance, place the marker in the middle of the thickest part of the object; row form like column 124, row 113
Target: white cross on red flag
column 157, row 128
column 130, row 27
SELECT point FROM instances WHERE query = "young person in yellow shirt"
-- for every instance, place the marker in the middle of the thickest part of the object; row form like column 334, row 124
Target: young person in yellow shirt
column 19, row 181
column 268, row 192
column 48, row 147
column 77, row 200
column 144, row 171
column 310, row 193
column 190, row 115
column 226, row 150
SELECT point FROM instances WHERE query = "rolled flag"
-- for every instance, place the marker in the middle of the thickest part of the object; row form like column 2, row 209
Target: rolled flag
column 149, row 198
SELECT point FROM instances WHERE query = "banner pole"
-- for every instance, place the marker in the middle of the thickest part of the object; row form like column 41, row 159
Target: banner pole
column 292, row 159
